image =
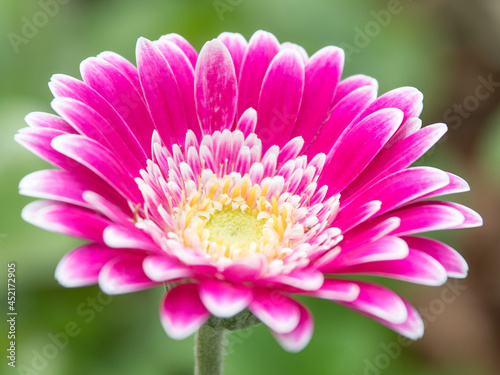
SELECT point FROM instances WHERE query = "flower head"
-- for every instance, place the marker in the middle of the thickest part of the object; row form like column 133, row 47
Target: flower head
column 241, row 177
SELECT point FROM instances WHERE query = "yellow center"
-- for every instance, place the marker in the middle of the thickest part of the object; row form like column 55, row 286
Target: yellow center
column 232, row 218
column 234, row 227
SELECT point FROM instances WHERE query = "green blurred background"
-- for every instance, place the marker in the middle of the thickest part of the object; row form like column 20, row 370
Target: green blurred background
column 446, row 48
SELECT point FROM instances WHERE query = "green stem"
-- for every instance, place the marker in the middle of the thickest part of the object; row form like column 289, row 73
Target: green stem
column 208, row 351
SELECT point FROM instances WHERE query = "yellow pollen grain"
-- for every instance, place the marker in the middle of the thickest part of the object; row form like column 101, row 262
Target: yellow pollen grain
column 194, row 200
column 281, row 229
column 212, row 191
column 264, row 190
column 236, row 191
column 284, row 213
column 251, row 195
column 225, row 189
column 275, row 206
column 244, row 189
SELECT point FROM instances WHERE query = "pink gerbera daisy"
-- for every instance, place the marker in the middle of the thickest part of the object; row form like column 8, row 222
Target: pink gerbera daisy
column 239, row 178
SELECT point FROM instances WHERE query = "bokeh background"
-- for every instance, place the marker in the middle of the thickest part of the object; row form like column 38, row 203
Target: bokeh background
column 449, row 49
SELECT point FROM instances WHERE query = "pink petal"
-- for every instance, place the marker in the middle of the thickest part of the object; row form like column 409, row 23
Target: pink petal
column 456, row 185
column 183, row 44
column 471, row 218
column 413, row 326
column 92, row 125
column 161, row 268
column 66, row 219
column 184, row 76
column 38, row 141
column 358, row 215
column 261, row 50
column 81, row 266
column 280, row 99
column 47, row 120
column 425, row 217
column 182, row 313
column 216, row 88
column 224, row 300
column 241, row 271
column 340, row 117
column 124, row 66
column 124, row 275
column 117, row 89
column 417, row 267
column 99, row 160
column 378, row 302
column 306, row 280
column 407, row 99
column 162, row 93
column 66, row 187
column 399, row 188
column 297, row 339
column 384, row 249
column 237, row 46
column 322, row 74
column 397, row 157
column 247, row 122
column 69, row 87
column 454, row 264
column 278, row 312
column 336, row 290
column 357, row 146
column 352, row 83
column 118, row 236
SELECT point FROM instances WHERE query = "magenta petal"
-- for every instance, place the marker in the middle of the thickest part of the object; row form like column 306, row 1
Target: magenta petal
column 65, row 186
column 412, row 327
column 237, row 46
column 81, row 266
column 322, row 74
column 397, row 157
column 340, row 118
column 99, row 160
column 182, row 313
column 48, row 120
column 117, row 236
column 357, row 146
column 224, row 300
column 280, row 313
column 379, row 302
column 124, row 275
column 184, row 76
column 280, row 99
column 386, row 248
column 183, row 44
column 124, row 66
column 216, row 88
column 417, row 267
column 38, row 141
column 66, row 219
column 92, row 125
column 454, row 264
column 336, row 290
column 162, row 93
column 471, row 218
column 69, row 87
column 456, row 185
column 306, row 280
column 117, row 89
column 247, row 122
column 352, row 83
column 161, row 268
column 399, row 188
column 261, row 50
column 297, row 339
column 248, row 270
column 407, row 99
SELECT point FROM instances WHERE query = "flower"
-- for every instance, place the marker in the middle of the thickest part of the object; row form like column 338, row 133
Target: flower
column 241, row 177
